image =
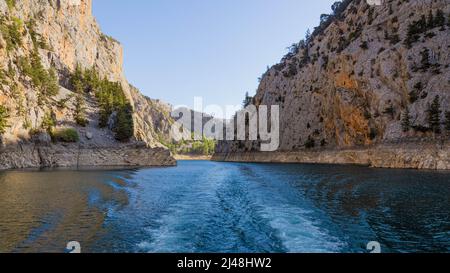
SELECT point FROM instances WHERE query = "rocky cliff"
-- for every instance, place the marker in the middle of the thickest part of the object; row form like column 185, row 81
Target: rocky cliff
column 371, row 79
column 43, row 45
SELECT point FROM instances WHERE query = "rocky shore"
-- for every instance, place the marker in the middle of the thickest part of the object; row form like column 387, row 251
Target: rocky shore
column 22, row 156
column 429, row 156
column 193, row 157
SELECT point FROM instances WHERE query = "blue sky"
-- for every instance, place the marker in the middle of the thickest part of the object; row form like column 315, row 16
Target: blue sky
column 216, row 49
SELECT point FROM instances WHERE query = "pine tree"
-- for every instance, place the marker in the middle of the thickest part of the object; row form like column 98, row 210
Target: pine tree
column 247, row 101
column 430, row 22
column 77, row 80
column 52, row 87
column 308, row 36
column 434, row 115
column 439, row 20
column 80, row 116
column 124, row 127
column 310, row 143
column 425, row 60
column 4, row 115
column 49, row 122
column 406, row 121
column 447, row 121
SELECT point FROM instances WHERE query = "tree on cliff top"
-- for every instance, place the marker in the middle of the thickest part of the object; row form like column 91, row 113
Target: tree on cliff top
column 247, row 101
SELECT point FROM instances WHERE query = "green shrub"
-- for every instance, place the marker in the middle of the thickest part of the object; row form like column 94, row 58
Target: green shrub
column 46, row 81
column 11, row 4
column 413, row 96
column 364, row 45
column 68, row 135
column 310, row 143
column 48, row 122
column 63, row 102
column 11, row 32
column 4, row 115
column 2, row 77
column 204, row 147
column 36, row 38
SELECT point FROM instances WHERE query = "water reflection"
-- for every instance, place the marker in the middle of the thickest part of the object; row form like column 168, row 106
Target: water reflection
column 42, row 211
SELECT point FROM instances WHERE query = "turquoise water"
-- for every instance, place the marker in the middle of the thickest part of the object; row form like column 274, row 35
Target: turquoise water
column 226, row 207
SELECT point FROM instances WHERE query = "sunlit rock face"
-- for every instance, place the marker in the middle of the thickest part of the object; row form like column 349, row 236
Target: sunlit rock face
column 68, row 36
column 350, row 86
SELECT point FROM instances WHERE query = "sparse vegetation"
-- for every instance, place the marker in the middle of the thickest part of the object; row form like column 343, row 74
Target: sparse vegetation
column 46, row 81
column 11, row 30
column 414, row 94
column 389, row 111
column 447, row 121
column 111, row 99
column 11, row 4
column 80, row 111
column 247, row 100
column 406, row 121
column 63, row 102
column 206, row 146
column 434, row 115
column 68, row 135
column 326, row 20
column 36, row 38
column 439, row 20
column 425, row 59
column 49, row 122
column 124, row 123
column 4, row 115
column 364, row 45
column 310, row 143
column 373, row 133
column 424, row 24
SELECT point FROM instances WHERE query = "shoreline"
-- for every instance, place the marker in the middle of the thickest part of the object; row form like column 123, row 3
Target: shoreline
column 193, row 157
column 35, row 156
column 389, row 156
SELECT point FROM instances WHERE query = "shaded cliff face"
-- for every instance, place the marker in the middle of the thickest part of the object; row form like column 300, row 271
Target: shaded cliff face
column 353, row 81
column 64, row 34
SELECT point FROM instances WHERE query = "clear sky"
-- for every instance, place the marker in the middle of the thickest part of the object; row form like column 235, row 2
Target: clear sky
column 216, row 49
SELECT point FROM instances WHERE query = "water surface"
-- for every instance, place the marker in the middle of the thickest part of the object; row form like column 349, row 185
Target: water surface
column 226, row 207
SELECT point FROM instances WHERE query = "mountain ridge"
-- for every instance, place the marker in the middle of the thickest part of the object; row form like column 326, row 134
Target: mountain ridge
column 351, row 84
column 62, row 79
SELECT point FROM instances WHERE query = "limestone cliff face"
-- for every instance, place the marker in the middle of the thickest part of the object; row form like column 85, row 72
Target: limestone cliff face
column 351, row 83
column 65, row 35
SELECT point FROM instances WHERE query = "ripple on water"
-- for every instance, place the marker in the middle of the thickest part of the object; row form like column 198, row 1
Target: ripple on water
column 226, row 207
